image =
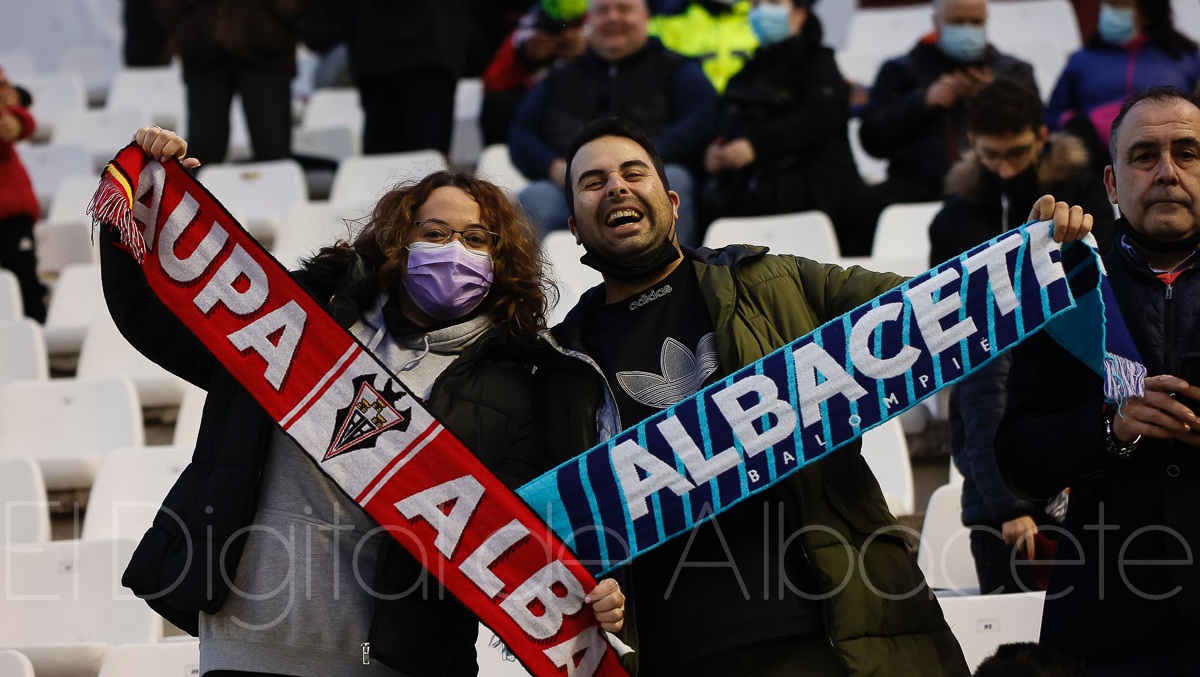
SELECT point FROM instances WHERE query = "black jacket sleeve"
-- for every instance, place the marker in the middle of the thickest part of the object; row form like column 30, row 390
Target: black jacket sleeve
column 981, row 398
column 145, row 321
column 1052, row 433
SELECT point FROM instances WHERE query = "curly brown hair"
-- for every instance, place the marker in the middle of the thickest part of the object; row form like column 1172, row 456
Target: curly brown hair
column 519, row 293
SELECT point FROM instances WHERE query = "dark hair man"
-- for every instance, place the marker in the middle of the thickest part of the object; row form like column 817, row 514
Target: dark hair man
column 669, row 320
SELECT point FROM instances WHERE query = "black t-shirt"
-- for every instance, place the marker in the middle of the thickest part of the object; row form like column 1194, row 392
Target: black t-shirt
column 723, row 584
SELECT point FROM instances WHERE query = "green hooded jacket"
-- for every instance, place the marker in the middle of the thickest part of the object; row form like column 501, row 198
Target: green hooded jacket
column 879, row 613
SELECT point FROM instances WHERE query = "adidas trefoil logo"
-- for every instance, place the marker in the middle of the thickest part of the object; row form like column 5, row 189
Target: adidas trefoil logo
column 682, row 373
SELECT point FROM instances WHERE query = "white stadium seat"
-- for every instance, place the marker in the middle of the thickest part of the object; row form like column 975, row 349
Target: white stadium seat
column 64, row 606
column 1048, row 22
column 97, row 64
column 69, row 425
column 129, row 488
column 103, row 132
column 24, row 353
column 981, row 623
column 76, row 299
column 365, row 179
column 903, row 231
column 169, row 658
column 11, row 305
column 808, row 234
column 49, row 164
column 572, row 277
column 15, row 664
column 157, row 92
column 105, row 353
column 888, row 30
column 496, row 166
column 259, row 194
column 26, row 509
column 55, row 96
column 945, row 552
column 466, row 137
column 312, row 225
column 886, row 452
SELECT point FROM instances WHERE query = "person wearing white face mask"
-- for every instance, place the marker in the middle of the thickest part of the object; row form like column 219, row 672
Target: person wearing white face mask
column 1136, row 46
column 269, row 563
column 782, row 144
column 915, row 117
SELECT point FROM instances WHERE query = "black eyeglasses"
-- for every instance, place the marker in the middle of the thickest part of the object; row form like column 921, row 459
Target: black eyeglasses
column 438, row 232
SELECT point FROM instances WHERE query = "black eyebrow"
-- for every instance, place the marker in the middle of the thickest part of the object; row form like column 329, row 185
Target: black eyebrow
column 1140, row 146
column 600, row 172
column 1186, row 141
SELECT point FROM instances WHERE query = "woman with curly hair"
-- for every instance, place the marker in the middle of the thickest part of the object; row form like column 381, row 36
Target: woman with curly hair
column 443, row 284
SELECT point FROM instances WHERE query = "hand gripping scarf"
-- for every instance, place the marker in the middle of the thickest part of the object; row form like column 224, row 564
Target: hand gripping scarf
column 355, row 418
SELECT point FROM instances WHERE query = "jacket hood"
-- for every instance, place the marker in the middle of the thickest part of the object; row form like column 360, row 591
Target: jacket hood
column 1064, row 157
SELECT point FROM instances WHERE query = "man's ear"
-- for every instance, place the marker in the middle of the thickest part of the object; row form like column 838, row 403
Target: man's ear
column 1110, row 183
column 574, row 230
column 674, row 197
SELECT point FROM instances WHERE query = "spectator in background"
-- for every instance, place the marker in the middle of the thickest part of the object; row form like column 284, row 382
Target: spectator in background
column 716, row 33
column 494, row 20
column 406, row 58
column 1013, row 161
column 623, row 72
column 916, row 114
column 145, row 40
column 782, row 143
column 18, row 203
column 243, row 47
column 549, row 35
column 1135, row 47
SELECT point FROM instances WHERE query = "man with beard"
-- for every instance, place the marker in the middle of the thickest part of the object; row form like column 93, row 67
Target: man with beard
column 1012, row 162
column 809, row 576
column 1124, row 592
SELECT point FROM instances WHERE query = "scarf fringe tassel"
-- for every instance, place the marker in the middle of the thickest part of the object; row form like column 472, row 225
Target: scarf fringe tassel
column 1123, row 378
column 110, row 205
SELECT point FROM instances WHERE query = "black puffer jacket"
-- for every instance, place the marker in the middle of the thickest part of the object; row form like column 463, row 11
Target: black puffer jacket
column 791, row 103
column 485, row 398
column 1127, row 571
column 387, row 37
column 973, row 211
column 920, row 142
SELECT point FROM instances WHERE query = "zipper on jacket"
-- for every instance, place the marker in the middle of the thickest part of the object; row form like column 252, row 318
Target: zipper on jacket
column 1169, row 330
column 610, row 400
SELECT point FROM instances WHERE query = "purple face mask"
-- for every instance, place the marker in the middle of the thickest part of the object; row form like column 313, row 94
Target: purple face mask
column 447, row 281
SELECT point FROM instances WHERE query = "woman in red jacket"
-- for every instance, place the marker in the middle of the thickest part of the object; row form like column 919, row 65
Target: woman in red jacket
column 18, row 204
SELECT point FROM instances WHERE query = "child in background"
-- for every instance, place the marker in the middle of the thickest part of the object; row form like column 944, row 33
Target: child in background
column 18, row 203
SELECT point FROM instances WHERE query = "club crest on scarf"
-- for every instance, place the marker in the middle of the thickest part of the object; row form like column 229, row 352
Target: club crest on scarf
column 371, row 413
